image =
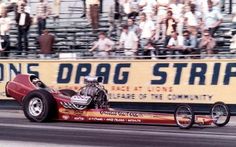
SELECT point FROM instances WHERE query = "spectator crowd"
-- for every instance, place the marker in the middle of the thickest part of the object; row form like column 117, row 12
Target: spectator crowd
column 180, row 27
column 24, row 19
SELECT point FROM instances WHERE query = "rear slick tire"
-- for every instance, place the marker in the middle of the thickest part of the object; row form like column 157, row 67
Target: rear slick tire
column 39, row 106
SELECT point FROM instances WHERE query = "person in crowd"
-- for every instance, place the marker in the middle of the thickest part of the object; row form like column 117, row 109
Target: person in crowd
column 170, row 26
column 46, row 41
column 207, row 42
column 149, row 51
column 4, row 46
column 22, row 5
column 217, row 5
column 148, row 7
column 177, row 7
column 3, row 8
column 56, row 9
column 222, row 4
column 130, row 8
column 176, row 42
column 202, row 6
column 189, row 42
column 192, row 19
column 133, row 26
column 212, row 19
column 85, row 7
column 23, row 22
column 115, row 18
column 93, row 13
column 43, row 10
column 162, row 7
column 134, row 9
column 11, row 5
column 127, row 7
column 104, row 45
column 147, row 30
column 5, row 26
column 128, row 41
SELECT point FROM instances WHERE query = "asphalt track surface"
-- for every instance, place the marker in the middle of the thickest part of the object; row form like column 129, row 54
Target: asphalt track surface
column 16, row 130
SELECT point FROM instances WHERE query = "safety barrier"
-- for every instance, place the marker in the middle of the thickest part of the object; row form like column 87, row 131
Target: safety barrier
column 154, row 81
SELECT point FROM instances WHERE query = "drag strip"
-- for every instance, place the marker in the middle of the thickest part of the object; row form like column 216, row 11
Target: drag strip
column 19, row 130
column 167, row 132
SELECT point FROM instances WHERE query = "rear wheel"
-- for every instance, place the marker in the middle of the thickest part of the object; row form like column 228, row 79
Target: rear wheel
column 39, row 106
column 184, row 116
column 220, row 114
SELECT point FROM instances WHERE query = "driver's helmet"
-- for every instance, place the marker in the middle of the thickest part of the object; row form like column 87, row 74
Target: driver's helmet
column 37, row 82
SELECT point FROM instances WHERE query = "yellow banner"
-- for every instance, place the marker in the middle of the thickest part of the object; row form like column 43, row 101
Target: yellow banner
column 162, row 81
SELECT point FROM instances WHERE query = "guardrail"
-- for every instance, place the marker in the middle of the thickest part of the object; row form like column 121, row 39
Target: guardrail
column 114, row 55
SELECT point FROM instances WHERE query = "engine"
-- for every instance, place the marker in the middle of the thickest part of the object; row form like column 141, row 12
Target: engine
column 92, row 95
column 96, row 91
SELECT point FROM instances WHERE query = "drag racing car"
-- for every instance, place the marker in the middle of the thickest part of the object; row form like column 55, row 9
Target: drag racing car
column 90, row 104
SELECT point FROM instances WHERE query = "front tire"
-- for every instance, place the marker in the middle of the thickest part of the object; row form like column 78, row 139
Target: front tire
column 184, row 116
column 220, row 114
column 39, row 106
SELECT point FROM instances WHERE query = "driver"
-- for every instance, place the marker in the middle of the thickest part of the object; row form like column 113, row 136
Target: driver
column 37, row 82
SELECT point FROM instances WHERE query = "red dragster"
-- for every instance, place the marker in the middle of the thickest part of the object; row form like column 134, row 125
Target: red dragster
column 90, row 104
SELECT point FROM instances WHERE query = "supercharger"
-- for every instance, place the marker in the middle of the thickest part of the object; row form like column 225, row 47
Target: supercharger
column 92, row 95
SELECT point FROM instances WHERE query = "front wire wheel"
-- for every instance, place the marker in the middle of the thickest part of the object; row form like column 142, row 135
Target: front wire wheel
column 184, row 116
column 220, row 114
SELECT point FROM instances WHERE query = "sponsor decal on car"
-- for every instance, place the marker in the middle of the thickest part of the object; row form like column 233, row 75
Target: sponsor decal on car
column 70, row 111
column 65, row 117
column 120, row 113
column 95, row 119
column 123, row 120
column 79, row 118
column 134, row 120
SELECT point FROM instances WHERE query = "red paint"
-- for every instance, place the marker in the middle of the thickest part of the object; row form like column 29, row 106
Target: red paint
column 21, row 86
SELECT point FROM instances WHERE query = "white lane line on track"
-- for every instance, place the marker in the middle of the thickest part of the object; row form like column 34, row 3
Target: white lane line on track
column 185, row 133
column 4, row 143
